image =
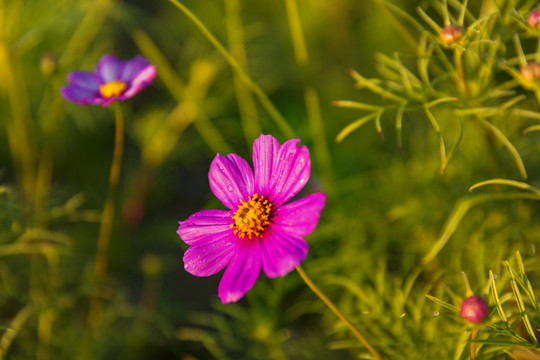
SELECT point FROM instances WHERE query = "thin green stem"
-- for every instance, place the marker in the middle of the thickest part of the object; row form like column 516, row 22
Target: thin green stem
column 311, row 96
column 246, row 102
column 473, row 343
column 336, row 311
column 107, row 217
column 264, row 100
column 14, row 327
column 460, row 76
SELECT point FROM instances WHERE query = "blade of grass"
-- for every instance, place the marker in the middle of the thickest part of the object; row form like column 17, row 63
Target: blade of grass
column 442, row 303
column 435, row 125
column 246, row 103
column 516, row 184
column 354, row 125
column 460, row 210
column 14, row 327
column 264, row 100
column 504, row 140
column 521, row 304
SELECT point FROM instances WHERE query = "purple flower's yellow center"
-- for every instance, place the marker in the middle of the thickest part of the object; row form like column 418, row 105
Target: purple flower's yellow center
column 252, row 217
column 112, row 88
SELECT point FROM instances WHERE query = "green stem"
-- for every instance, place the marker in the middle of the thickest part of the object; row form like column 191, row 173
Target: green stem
column 246, row 102
column 460, row 76
column 473, row 343
column 14, row 327
column 339, row 314
column 107, row 217
column 311, row 96
column 265, row 101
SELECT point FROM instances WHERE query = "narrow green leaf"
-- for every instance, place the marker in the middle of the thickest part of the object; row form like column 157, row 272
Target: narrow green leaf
column 354, row 125
column 458, row 212
column 443, row 303
column 521, row 304
column 495, row 296
column 513, row 183
column 504, row 140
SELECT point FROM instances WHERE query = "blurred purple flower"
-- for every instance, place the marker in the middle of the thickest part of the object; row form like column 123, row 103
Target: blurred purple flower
column 259, row 231
column 112, row 80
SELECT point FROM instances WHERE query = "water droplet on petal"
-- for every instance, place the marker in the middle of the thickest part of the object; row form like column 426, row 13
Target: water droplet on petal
column 230, row 188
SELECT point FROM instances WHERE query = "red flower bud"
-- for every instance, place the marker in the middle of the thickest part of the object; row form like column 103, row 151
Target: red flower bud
column 474, row 309
column 534, row 19
column 531, row 71
column 451, row 33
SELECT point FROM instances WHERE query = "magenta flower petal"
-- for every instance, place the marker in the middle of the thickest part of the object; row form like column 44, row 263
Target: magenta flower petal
column 204, row 224
column 129, row 69
column 108, row 68
column 242, row 272
column 291, row 171
column 211, row 254
column 301, row 216
column 265, row 151
column 85, row 80
column 280, row 171
column 282, row 252
column 140, row 81
column 231, row 179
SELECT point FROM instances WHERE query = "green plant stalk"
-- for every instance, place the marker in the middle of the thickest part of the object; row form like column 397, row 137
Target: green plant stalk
column 193, row 112
column 502, row 138
column 400, row 28
column 14, row 328
column 460, row 210
column 311, row 96
column 460, row 76
column 264, row 100
column 51, row 111
column 338, row 313
column 474, row 333
column 107, row 217
column 17, row 123
column 246, row 103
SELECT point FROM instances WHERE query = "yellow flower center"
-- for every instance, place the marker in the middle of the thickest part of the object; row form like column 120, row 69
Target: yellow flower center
column 252, row 217
column 112, row 88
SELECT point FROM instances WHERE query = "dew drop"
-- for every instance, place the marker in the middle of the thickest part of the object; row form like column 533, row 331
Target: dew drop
column 230, row 188
column 435, row 313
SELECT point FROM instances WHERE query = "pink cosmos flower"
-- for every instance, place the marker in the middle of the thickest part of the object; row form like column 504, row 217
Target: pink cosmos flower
column 112, row 80
column 260, row 230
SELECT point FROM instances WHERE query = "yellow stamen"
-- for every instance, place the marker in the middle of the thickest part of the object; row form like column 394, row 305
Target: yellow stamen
column 112, row 88
column 252, row 217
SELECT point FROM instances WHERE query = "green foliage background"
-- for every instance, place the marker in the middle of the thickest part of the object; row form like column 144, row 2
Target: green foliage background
column 376, row 249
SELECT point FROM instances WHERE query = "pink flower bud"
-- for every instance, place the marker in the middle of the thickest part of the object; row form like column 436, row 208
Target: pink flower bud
column 534, row 19
column 474, row 309
column 451, row 33
column 531, row 71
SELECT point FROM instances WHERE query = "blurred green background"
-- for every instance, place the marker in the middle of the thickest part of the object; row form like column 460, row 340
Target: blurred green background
column 386, row 206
